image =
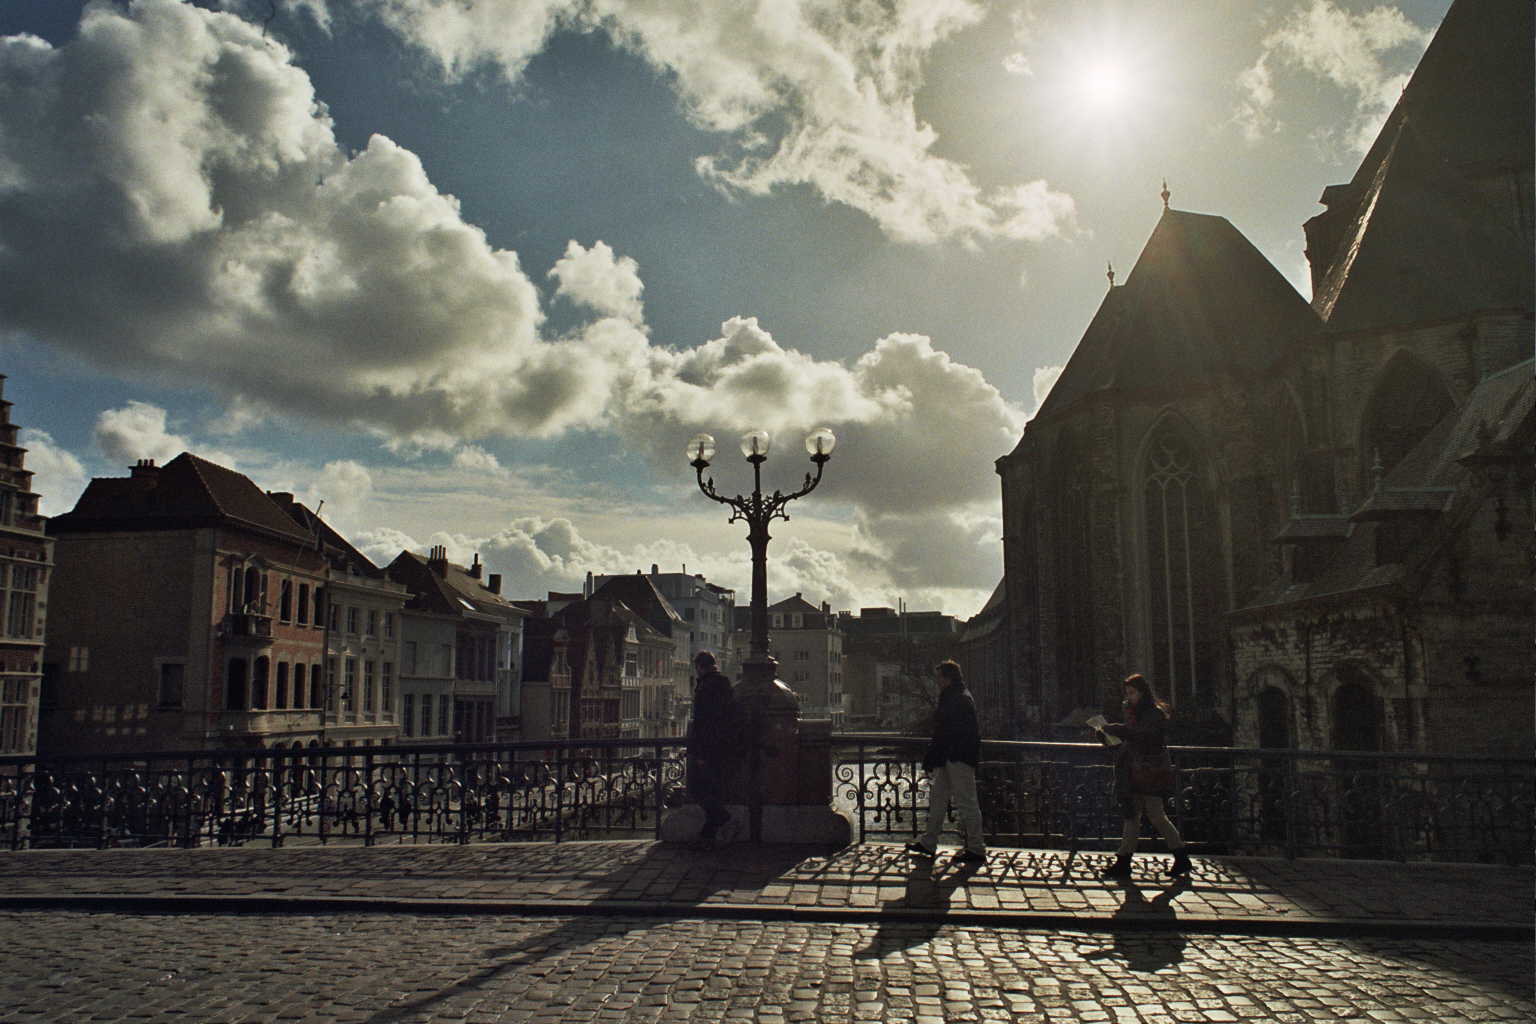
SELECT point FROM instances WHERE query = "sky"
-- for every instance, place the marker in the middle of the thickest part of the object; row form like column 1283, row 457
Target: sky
column 473, row 272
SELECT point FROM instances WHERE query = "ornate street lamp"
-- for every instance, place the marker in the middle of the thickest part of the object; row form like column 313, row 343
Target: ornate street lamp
column 757, row 510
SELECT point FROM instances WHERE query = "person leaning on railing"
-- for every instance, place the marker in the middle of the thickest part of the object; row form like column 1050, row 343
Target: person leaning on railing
column 1143, row 775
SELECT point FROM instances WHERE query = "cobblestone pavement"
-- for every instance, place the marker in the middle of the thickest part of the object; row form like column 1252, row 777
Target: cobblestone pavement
column 88, row 966
column 629, row 876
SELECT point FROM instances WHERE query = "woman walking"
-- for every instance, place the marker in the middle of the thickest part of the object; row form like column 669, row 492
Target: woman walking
column 1143, row 775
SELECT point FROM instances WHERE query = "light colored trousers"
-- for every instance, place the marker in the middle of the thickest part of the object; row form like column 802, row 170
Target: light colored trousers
column 1152, row 807
column 954, row 780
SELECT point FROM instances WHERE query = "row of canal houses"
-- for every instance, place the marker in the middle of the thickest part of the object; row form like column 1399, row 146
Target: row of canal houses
column 188, row 609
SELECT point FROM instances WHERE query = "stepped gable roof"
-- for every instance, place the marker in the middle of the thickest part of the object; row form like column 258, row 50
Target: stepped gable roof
column 641, row 596
column 1424, row 242
column 1200, row 299
column 186, row 492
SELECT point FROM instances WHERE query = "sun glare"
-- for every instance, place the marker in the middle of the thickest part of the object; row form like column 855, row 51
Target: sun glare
column 1102, row 84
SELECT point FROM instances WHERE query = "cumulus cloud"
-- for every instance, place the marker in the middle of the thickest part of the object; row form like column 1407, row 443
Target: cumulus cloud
column 1045, row 379
column 601, row 280
column 815, row 92
column 473, row 457
column 1354, row 52
column 344, row 486
column 173, row 201
column 137, row 431
column 58, row 476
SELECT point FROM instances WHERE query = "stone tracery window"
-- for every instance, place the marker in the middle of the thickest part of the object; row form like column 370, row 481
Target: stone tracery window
column 1183, row 569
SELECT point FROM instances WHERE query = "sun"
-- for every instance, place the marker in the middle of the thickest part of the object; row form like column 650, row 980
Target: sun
column 1102, row 84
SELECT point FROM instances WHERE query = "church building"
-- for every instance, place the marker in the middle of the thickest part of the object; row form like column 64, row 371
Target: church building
column 1308, row 523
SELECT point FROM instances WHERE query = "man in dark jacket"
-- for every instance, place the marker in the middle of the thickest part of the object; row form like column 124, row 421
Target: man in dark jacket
column 710, row 732
column 951, row 761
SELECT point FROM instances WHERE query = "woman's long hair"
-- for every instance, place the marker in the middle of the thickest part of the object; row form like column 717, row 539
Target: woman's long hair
column 1148, row 697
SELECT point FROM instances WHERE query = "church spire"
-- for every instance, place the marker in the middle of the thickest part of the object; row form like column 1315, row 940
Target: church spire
column 1110, row 273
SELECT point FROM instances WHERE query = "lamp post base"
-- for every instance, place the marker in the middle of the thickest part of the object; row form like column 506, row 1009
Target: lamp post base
column 779, row 824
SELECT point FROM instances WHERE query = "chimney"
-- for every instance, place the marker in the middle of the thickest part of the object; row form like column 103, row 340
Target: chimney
column 586, row 591
column 474, row 568
column 145, row 467
column 281, row 497
column 437, row 559
column 494, row 585
column 654, row 569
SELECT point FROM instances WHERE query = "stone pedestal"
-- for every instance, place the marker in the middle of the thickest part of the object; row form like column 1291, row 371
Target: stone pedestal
column 780, row 789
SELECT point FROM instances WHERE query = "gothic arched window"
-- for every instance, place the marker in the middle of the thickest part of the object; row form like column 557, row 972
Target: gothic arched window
column 1183, row 568
column 1077, row 682
column 1409, row 399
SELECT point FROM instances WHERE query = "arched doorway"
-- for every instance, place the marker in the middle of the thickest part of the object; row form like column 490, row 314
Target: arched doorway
column 1355, row 711
column 1276, row 773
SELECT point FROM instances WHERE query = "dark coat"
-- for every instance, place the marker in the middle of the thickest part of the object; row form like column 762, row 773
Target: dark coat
column 1143, row 734
column 956, row 736
column 712, row 729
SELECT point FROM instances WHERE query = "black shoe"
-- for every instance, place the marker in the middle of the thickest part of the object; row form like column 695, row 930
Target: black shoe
column 970, row 857
column 1121, row 868
column 1181, row 866
column 919, row 850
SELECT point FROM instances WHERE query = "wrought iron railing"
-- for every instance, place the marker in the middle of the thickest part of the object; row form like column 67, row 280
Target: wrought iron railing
column 1290, row 803
column 1229, row 800
column 396, row 794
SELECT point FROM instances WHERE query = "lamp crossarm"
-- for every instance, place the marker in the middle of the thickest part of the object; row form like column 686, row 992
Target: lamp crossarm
column 758, row 507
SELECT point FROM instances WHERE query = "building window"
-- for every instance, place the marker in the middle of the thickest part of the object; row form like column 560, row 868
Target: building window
column 21, row 614
column 298, row 685
column 1182, row 566
column 234, row 685
column 79, row 659
column 373, row 622
column 443, row 713
column 317, row 688
column 778, row 620
column 331, row 680
column 410, row 657
column 335, row 617
column 352, row 620
column 387, row 681
column 796, row 620
column 368, row 686
column 16, row 726
column 303, row 618
column 349, row 681
column 172, row 678
column 281, row 702
column 426, row 715
column 259, row 683
column 285, row 601
column 631, row 665
column 389, row 625
column 408, row 714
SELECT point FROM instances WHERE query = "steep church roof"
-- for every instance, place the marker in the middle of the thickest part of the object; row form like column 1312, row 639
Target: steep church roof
column 1200, row 299
column 1427, row 229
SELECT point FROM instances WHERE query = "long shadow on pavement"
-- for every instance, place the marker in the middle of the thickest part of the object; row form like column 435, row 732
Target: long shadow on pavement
column 701, row 874
column 929, row 887
column 1147, row 935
